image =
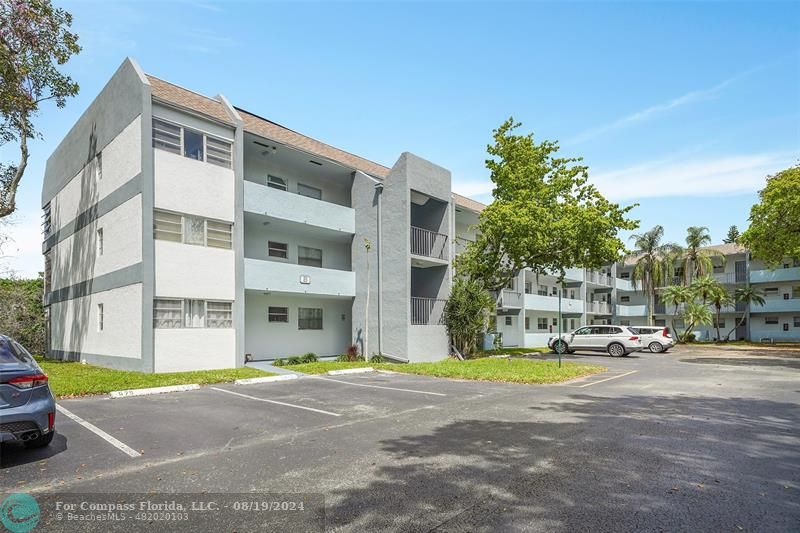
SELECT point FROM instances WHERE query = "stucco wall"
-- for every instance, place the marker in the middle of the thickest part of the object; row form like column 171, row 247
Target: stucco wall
column 75, row 324
column 178, row 350
column 269, row 340
column 427, row 343
column 335, row 253
column 187, row 271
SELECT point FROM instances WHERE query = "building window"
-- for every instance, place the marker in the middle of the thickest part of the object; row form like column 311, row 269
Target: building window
column 541, row 323
column 624, row 299
column 167, row 313
column 218, row 152
column 719, row 269
column 770, row 320
column 720, row 324
column 309, row 318
column 796, row 291
column 46, row 220
column 797, row 321
column 278, row 249
column 219, row 234
column 311, row 192
column 99, row 317
column 555, row 322
column 309, row 256
column 192, row 230
column 625, row 275
column 554, row 291
column 219, row 314
column 542, row 291
column 508, row 320
column 277, row 183
column 771, row 291
column 278, row 314
column 191, row 143
column 786, row 326
column 527, row 322
column 99, row 241
column 624, row 322
column 194, row 313
column 528, row 287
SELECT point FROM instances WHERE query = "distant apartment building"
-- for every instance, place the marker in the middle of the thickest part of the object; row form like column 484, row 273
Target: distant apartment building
column 183, row 233
column 528, row 307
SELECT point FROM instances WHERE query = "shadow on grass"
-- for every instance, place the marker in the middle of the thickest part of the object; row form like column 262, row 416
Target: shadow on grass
column 591, row 463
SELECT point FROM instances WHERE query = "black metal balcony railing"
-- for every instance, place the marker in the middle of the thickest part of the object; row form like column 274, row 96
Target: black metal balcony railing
column 428, row 243
column 427, row 311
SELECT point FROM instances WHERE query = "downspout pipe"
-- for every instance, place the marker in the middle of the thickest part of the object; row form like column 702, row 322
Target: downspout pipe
column 379, row 253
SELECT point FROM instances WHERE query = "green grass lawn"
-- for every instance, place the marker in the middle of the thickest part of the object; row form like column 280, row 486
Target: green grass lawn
column 71, row 378
column 483, row 369
column 514, row 351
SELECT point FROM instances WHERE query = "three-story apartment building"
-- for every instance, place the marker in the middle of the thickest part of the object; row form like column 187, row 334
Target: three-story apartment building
column 183, row 232
column 528, row 308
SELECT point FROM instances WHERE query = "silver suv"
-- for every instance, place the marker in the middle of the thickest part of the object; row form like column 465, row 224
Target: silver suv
column 617, row 341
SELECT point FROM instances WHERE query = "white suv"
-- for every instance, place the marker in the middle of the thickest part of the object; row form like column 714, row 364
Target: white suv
column 616, row 340
column 656, row 338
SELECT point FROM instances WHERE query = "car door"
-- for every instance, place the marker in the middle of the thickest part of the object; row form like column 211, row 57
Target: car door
column 597, row 338
column 580, row 338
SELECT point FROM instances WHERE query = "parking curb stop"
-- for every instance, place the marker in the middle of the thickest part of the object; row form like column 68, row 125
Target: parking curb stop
column 153, row 390
column 351, row 371
column 265, row 379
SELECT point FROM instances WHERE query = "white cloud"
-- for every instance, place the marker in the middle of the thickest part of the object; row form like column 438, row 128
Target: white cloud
column 728, row 174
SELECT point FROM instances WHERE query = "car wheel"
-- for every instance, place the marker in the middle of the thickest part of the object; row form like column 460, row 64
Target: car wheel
column 560, row 347
column 656, row 347
column 42, row 440
column 615, row 349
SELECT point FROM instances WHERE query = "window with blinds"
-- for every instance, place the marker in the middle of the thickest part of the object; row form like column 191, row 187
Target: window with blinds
column 191, row 143
column 174, row 313
column 309, row 318
column 309, row 256
column 167, row 313
column 192, row 230
column 219, row 314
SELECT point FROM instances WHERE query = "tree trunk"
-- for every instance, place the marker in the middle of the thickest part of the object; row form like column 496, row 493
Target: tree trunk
column 735, row 327
column 719, row 310
column 8, row 196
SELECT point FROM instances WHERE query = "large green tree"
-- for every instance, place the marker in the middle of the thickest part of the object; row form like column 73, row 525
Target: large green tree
column 732, row 236
column 654, row 262
column 34, row 41
column 774, row 231
column 545, row 215
column 21, row 313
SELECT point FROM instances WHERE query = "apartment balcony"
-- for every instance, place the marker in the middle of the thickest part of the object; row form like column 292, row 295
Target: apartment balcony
column 598, row 308
column 774, row 276
column 538, row 302
column 730, row 278
column 631, row 310
column 297, row 208
column 777, row 305
column 623, row 285
column 599, row 279
column 427, row 311
column 430, row 247
column 274, row 276
column 509, row 299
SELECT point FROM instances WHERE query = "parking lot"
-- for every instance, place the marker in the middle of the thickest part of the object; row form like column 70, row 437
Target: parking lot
column 657, row 442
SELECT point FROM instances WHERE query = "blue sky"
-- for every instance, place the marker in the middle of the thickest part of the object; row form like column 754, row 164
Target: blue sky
column 681, row 107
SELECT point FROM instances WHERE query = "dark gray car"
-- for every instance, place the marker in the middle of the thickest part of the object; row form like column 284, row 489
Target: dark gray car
column 27, row 406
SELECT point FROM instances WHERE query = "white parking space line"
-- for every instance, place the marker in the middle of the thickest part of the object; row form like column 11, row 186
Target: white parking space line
column 99, row 432
column 607, row 379
column 378, row 386
column 276, row 402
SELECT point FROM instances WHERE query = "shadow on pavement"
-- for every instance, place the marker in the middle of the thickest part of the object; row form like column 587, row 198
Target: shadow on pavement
column 630, row 463
column 750, row 361
column 15, row 454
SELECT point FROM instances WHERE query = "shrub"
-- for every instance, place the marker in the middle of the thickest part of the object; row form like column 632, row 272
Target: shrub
column 294, row 360
column 466, row 314
column 376, row 358
column 279, row 362
column 343, row 358
column 351, row 355
column 691, row 337
column 310, row 357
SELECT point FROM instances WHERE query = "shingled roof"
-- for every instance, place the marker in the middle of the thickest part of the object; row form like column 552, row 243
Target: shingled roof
column 214, row 108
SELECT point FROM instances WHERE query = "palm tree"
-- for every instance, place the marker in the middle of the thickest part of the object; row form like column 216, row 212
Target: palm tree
column 653, row 264
column 748, row 295
column 704, row 288
column 695, row 314
column 676, row 295
column 719, row 298
column 696, row 260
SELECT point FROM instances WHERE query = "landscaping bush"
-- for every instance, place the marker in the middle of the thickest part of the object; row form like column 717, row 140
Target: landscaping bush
column 294, row 360
column 278, row 362
column 343, row 358
column 377, row 358
column 351, row 355
column 310, row 357
column 466, row 315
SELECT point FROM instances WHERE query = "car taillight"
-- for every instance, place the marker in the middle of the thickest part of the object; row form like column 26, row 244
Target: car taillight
column 51, row 421
column 666, row 333
column 29, row 382
column 634, row 338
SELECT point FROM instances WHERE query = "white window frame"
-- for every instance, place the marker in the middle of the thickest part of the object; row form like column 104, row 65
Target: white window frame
column 211, row 303
column 542, row 320
column 300, row 318
column 309, row 188
column 508, row 321
column 181, row 146
column 796, row 321
column 284, row 250
column 165, row 302
column 278, row 183
column 300, row 257
column 772, row 320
